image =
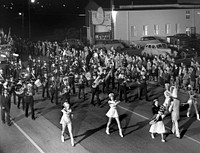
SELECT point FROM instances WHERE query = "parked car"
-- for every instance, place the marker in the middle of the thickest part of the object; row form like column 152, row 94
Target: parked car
column 178, row 41
column 156, row 49
column 145, row 40
column 187, row 52
column 108, row 44
column 73, row 43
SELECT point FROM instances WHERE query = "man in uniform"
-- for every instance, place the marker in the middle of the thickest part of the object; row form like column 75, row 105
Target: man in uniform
column 53, row 88
column 45, row 85
column 81, row 86
column 5, row 103
column 174, row 108
column 95, row 89
column 20, row 93
column 28, row 100
column 142, row 86
column 71, row 80
column 122, row 86
column 65, row 91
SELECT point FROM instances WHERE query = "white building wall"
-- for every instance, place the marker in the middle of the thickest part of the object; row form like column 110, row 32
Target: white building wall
column 121, row 26
column 139, row 18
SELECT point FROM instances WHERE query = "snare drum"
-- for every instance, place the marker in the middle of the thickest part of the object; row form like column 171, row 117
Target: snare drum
column 88, row 76
column 38, row 83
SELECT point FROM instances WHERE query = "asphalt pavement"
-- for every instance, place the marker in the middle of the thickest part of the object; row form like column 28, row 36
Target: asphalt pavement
column 43, row 134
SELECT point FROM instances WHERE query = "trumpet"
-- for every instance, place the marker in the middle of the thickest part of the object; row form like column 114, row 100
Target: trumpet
column 65, row 90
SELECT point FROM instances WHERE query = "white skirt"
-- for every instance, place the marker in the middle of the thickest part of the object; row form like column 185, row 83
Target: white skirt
column 65, row 120
column 112, row 112
column 158, row 127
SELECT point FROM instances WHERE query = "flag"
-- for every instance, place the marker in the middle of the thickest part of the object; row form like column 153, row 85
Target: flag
column 9, row 35
column 1, row 32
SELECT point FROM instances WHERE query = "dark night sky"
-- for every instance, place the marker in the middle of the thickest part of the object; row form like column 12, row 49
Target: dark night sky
column 48, row 15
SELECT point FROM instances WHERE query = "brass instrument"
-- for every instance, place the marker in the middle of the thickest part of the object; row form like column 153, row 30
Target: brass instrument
column 96, row 82
column 20, row 89
column 65, row 90
column 24, row 74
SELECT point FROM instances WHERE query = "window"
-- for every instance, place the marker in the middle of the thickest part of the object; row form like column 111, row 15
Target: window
column 156, row 29
column 133, row 31
column 177, row 28
column 167, row 28
column 145, row 30
column 187, row 14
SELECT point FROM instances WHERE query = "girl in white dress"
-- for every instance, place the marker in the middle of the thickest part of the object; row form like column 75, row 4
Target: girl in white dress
column 192, row 101
column 167, row 95
column 66, row 121
column 112, row 113
column 158, row 126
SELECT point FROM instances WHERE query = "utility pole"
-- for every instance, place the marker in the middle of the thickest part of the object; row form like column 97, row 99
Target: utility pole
column 112, row 24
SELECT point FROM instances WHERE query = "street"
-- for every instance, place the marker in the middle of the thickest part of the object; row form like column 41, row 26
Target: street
column 89, row 123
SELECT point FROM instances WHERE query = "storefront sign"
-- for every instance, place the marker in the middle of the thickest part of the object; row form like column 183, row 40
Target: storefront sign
column 100, row 15
column 97, row 19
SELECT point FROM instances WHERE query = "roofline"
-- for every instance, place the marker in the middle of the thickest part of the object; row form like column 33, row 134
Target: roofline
column 164, row 6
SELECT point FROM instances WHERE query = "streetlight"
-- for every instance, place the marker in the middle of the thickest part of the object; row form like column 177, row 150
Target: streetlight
column 22, row 15
column 29, row 16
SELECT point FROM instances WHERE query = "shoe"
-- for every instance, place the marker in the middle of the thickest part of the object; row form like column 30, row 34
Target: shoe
column 33, row 118
column 152, row 136
column 188, row 114
column 9, row 124
column 198, row 117
column 178, row 136
column 120, row 133
column 163, row 140
column 3, row 122
column 72, row 143
column 62, row 138
column 107, row 131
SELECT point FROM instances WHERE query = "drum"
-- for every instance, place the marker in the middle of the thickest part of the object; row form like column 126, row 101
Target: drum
column 38, row 83
column 76, row 78
column 88, row 76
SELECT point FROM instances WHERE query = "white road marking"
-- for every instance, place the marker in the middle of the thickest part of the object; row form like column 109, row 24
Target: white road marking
column 29, row 138
column 190, row 138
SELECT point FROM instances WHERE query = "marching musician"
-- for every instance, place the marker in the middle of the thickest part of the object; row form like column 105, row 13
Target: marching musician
column 38, row 68
column 44, row 68
column 28, row 99
column 1, row 81
column 81, row 86
column 45, row 85
column 53, row 88
column 65, row 90
column 106, row 76
column 12, row 91
column 95, row 88
column 5, row 104
column 19, row 90
column 142, row 85
column 122, row 86
column 71, row 80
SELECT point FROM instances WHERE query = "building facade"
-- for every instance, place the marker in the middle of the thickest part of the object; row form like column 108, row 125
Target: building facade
column 131, row 23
